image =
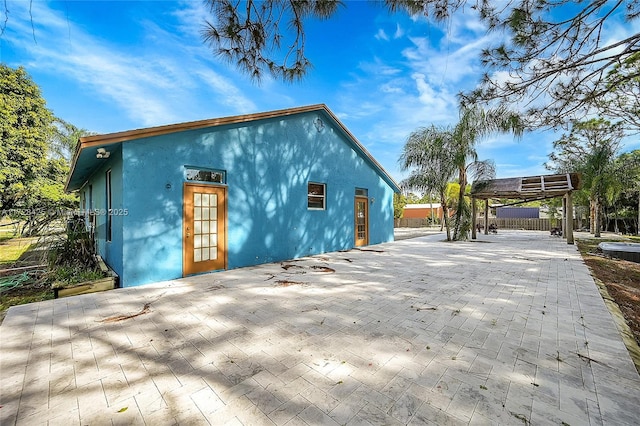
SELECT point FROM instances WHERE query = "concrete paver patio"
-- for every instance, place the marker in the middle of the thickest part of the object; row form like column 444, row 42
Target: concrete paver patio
column 507, row 330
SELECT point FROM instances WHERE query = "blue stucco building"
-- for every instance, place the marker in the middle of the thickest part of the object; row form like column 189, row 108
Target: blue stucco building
column 188, row 198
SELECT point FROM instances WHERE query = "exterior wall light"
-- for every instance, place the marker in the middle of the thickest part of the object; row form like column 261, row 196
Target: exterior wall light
column 103, row 153
column 319, row 124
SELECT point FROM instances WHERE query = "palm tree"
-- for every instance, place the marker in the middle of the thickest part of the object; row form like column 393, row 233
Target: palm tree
column 64, row 138
column 437, row 154
column 628, row 167
column 475, row 124
column 433, row 154
column 590, row 148
column 429, row 153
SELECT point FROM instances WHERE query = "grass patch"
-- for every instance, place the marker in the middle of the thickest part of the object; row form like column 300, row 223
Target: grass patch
column 8, row 230
column 70, row 261
column 28, row 295
column 64, row 276
column 12, row 249
column 21, row 289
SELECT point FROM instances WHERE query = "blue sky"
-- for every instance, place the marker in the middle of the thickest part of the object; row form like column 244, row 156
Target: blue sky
column 108, row 66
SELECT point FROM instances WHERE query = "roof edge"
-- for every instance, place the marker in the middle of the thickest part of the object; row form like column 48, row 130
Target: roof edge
column 128, row 135
column 386, row 175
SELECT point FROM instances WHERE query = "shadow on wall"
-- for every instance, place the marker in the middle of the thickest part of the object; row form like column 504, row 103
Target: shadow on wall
column 268, row 215
column 268, row 166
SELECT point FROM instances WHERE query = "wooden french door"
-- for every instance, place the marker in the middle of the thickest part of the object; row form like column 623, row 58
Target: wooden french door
column 361, row 221
column 204, row 231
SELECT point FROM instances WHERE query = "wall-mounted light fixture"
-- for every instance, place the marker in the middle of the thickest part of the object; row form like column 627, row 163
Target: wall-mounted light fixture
column 372, row 200
column 103, row 153
column 319, row 124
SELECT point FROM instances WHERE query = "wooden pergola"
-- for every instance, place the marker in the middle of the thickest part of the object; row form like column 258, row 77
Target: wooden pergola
column 526, row 189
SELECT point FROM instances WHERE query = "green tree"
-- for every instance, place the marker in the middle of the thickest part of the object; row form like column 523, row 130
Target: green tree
column 399, row 201
column 590, row 148
column 436, row 154
column 251, row 35
column 26, row 128
column 46, row 201
column 554, row 205
column 555, row 55
column 622, row 97
column 628, row 171
column 474, row 125
column 32, row 174
column 64, row 139
column 429, row 154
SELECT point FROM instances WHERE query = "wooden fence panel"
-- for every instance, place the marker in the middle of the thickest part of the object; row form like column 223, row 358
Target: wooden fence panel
column 502, row 223
column 527, row 224
column 410, row 223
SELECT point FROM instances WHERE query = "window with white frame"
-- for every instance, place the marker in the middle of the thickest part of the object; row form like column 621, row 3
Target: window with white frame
column 316, row 196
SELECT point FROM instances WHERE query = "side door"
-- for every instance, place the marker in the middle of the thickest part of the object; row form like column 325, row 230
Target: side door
column 361, row 221
column 204, row 228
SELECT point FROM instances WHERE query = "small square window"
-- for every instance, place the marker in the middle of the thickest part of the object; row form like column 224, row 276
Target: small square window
column 316, row 196
column 362, row 192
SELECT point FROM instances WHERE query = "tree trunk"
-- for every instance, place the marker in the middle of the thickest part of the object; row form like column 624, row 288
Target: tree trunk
column 445, row 214
column 462, row 179
column 596, row 218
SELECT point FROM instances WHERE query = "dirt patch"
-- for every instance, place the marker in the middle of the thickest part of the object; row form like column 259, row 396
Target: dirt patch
column 145, row 310
column 287, row 283
column 621, row 279
column 287, row 266
column 322, row 269
column 316, row 268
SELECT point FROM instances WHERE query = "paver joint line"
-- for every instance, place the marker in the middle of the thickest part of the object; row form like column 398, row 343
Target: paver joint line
column 411, row 332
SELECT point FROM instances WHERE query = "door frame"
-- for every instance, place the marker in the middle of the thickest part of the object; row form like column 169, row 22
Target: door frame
column 222, row 188
column 366, row 220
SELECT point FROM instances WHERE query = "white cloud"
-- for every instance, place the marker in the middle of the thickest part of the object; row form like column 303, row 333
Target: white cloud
column 449, row 64
column 152, row 86
column 391, row 87
column 378, row 68
column 381, row 35
column 439, row 102
column 399, row 32
column 191, row 17
column 229, row 94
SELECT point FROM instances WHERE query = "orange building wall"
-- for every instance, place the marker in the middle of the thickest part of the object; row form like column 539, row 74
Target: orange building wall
column 422, row 213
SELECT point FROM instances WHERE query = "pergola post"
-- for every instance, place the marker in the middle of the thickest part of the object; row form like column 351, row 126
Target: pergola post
column 486, row 217
column 564, row 217
column 569, row 217
column 474, row 212
column 531, row 188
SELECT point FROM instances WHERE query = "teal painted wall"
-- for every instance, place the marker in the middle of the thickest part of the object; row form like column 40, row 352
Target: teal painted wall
column 111, row 251
column 268, row 165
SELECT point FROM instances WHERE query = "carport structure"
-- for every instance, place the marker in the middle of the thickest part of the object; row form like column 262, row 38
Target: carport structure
column 524, row 189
